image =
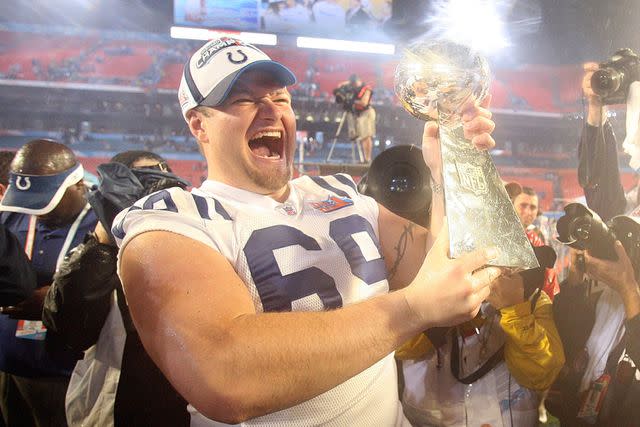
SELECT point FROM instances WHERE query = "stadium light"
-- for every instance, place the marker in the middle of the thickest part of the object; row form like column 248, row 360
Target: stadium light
column 191, row 33
column 478, row 24
column 345, row 45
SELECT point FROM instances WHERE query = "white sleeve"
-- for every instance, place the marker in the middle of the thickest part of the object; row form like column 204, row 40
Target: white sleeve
column 173, row 210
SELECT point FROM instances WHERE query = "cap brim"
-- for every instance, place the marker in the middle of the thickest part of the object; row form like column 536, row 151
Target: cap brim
column 38, row 195
column 222, row 89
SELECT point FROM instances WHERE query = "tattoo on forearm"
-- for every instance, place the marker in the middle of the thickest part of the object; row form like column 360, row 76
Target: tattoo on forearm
column 401, row 247
column 436, row 188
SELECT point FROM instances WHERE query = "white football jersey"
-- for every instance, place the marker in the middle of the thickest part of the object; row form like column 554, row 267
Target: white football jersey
column 318, row 250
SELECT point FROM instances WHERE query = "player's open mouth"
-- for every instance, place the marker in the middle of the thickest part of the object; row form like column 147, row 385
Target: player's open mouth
column 267, row 144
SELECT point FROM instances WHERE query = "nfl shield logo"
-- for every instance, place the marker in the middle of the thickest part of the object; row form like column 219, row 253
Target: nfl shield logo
column 287, row 209
column 472, row 178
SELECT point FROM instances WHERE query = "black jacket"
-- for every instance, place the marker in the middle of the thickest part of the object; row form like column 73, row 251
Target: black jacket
column 76, row 308
column 598, row 171
column 17, row 277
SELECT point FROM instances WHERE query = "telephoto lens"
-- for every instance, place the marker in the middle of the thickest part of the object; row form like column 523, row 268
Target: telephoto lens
column 606, row 81
column 400, row 181
column 627, row 230
column 614, row 77
column 580, row 228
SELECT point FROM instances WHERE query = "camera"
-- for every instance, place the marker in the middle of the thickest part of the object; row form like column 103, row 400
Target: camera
column 399, row 179
column 611, row 82
column 345, row 96
column 120, row 187
column 581, row 228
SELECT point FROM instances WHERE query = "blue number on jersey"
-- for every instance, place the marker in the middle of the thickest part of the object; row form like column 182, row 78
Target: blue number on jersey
column 164, row 196
column 149, row 203
column 277, row 292
column 341, row 231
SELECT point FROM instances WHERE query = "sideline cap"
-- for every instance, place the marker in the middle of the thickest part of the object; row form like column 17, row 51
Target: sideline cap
column 211, row 72
column 38, row 194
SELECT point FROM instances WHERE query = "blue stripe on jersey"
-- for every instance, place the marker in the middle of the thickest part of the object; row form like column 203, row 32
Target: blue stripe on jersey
column 117, row 229
column 346, row 181
column 223, row 213
column 203, row 207
column 324, row 184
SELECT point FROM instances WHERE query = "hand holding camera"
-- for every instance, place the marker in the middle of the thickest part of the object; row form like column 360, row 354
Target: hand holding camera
column 596, row 114
column 617, row 274
column 612, row 79
column 612, row 250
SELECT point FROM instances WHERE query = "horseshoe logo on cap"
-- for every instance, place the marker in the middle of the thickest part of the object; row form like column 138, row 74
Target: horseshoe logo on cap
column 23, row 186
column 237, row 61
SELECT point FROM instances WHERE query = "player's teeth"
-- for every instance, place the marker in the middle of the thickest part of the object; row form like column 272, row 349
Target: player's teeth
column 274, row 134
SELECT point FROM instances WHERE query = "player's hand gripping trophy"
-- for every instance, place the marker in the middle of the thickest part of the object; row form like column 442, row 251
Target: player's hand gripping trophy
column 435, row 80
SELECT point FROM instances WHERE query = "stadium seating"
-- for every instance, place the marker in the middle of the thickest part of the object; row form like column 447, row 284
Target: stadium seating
column 157, row 63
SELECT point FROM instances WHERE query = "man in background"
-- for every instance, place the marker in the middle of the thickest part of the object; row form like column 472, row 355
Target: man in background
column 45, row 208
column 525, row 202
column 361, row 116
column 598, row 169
column 528, row 208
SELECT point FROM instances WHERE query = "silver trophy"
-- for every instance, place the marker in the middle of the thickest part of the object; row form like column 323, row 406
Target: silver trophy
column 434, row 80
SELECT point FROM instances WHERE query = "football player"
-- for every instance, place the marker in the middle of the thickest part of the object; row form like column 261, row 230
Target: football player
column 266, row 300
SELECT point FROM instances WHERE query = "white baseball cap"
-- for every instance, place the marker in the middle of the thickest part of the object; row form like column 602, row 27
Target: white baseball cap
column 212, row 71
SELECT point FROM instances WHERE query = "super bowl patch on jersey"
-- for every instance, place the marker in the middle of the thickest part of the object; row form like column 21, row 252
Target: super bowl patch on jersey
column 333, row 203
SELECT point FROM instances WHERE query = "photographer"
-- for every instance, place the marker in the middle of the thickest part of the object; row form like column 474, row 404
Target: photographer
column 596, row 311
column 601, row 336
column 598, row 170
column 355, row 97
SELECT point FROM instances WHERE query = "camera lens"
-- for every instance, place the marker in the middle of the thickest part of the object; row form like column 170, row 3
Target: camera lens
column 580, row 229
column 402, row 179
column 606, row 81
column 399, row 180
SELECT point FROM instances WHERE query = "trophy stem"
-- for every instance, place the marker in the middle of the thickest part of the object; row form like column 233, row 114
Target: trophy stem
column 479, row 211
